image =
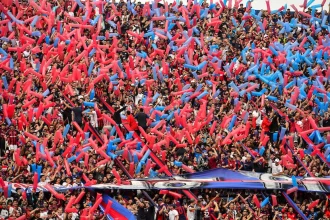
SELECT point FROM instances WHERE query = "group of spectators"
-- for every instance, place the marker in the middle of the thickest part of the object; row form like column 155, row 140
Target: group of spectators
column 223, row 204
column 128, row 100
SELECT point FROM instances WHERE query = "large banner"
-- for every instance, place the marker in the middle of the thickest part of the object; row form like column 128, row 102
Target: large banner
column 217, row 178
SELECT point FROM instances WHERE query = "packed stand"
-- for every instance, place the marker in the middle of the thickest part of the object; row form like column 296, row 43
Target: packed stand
column 55, row 71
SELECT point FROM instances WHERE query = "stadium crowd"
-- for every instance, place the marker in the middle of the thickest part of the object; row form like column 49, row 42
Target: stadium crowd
column 54, row 75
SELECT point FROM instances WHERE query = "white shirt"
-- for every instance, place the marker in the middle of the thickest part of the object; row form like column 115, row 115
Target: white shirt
column 190, row 214
column 49, row 110
column 160, row 101
column 44, row 215
column 172, row 214
column 138, row 97
column 257, row 115
column 224, row 56
column 276, row 169
column 124, row 18
column 61, row 216
column 26, row 53
column 270, row 163
column 97, row 11
column 136, row 29
column 4, row 213
column 75, row 216
column 75, row 184
column 93, row 117
column 66, row 184
column 234, row 212
column 237, row 64
column 44, row 182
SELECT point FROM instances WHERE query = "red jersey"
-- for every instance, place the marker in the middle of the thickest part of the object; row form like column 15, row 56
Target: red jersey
column 223, row 162
column 99, row 92
column 181, row 211
column 212, row 163
column 12, row 137
column 2, row 134
column 306, row 124
column 232, row 164
column 292, row 215
column 209, row 214
column 292, row 127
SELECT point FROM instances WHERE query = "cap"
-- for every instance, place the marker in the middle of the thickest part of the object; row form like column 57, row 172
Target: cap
column 200, row 197
column 160, row 199
column 80, row 97
column 277, row 160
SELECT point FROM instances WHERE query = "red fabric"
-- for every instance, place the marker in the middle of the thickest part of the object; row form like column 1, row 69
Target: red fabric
column 327, row 213
column 265, row 124
column 7, row 2
column 132, row 122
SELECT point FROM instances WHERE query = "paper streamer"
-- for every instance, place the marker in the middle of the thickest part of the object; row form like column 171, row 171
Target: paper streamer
column 294, row 181
column 256, row 200
column 35, row 181
column 291, row 190
column 66, row 130
column 313, row 204
column 265, row 202
column 274, row 200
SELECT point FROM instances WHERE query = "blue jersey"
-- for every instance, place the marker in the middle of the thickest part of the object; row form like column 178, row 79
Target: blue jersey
column 182, row 213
